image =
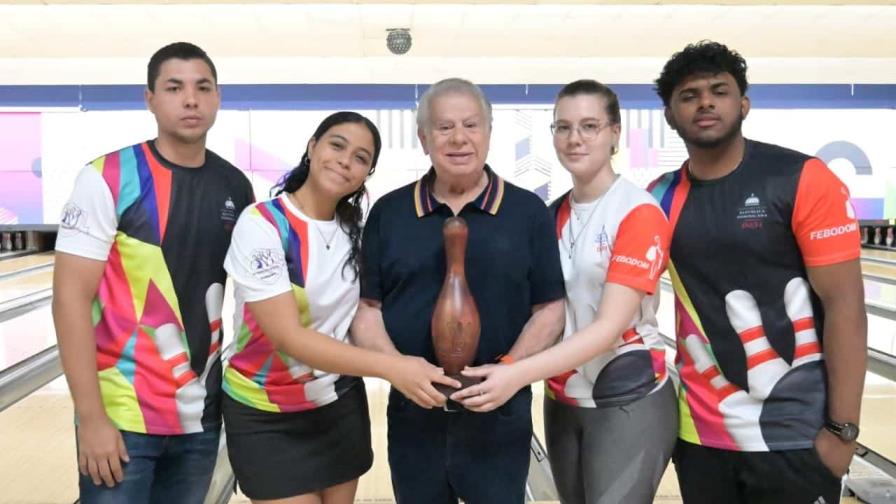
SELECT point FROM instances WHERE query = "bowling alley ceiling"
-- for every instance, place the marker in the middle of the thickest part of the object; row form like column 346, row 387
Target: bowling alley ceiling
column 336, row 36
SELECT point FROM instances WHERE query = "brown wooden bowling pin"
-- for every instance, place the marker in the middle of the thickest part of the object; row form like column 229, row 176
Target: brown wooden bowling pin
column 455, row 320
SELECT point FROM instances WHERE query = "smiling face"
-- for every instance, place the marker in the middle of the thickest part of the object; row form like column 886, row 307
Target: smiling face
column 457, row 136
column 185, row 101
column 707, row 110
column 341, row 159
column 584, row 137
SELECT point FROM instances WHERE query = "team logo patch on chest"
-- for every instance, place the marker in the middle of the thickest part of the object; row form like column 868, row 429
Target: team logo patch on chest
column 228, row 213
column 602, row 240
column 752, row 213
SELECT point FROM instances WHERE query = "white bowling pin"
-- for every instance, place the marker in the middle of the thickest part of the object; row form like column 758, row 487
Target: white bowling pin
column 798, row 304
column 764, row 366
column 741, row 412
column 190, row 394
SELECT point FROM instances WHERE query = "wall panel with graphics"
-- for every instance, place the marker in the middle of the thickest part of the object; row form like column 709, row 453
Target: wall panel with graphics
column 264, row 129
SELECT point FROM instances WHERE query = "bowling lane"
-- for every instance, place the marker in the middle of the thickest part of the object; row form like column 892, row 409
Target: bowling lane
column 882, row 334
column 27, row 283
column 37, row 448
column 25, row 335
column 878, row 404
column 879, row 253
column 21, row 262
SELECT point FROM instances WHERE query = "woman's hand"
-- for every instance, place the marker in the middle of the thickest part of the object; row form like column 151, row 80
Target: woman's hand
column 414, row 376
column 501, row 382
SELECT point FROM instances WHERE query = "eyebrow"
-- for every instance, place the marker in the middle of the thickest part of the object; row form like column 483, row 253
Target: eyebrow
column 589, row 118
column 337, row 135
column 175, row 80
column 712, row 85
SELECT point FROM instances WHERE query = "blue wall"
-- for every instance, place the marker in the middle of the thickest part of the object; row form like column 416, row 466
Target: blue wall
column 390, row 96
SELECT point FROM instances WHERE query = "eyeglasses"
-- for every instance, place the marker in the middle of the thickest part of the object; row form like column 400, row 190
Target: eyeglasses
column 586, row 131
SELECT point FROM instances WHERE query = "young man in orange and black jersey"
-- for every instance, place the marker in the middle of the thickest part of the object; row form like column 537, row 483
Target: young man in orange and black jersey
column 769, row 302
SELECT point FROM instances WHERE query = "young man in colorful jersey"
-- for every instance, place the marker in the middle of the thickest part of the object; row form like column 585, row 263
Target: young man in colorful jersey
column 769, row 302
column 138, row 288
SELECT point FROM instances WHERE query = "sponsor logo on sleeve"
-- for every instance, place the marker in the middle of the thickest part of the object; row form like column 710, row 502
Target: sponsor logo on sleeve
column 831, row 232
column 652, row 261
column 842, row 229
column 655, row 256
column 74, row 219
column 850, row 210
column 266, row 265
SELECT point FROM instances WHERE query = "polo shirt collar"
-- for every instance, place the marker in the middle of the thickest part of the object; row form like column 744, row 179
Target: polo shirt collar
column 489, row 200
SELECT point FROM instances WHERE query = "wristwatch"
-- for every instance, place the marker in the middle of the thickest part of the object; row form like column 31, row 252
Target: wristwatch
column 845, row 431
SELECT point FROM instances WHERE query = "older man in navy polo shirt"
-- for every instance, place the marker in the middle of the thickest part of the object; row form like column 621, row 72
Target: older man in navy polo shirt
column 513, row 271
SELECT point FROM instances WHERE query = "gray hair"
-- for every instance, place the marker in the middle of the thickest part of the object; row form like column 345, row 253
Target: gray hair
column 453, row 85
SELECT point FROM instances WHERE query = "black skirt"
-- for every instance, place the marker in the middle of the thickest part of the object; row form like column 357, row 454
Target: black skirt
column 280, row 455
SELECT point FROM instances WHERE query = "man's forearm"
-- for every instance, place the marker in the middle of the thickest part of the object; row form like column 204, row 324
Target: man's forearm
column 845, row 354
column 368, row 330
column 77, row 351
column 541, row 331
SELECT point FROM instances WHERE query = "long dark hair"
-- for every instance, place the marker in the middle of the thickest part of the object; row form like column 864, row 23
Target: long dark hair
column 348, row 210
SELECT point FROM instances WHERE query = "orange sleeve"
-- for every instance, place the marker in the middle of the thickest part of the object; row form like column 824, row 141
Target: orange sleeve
column 824, row 221
column 641, row 249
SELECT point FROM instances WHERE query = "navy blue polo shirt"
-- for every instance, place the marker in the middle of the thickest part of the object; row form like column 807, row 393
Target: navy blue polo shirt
column 512, row 262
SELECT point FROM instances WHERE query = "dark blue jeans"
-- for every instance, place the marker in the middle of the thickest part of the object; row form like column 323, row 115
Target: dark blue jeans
column 162, row 470
column 438, row 457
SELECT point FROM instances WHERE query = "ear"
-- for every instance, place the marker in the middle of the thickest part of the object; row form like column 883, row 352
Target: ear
column 147, row 98
column 421, row 135
column 669, row 119
column 311, row 143
column 616, row 130
column 744, row 107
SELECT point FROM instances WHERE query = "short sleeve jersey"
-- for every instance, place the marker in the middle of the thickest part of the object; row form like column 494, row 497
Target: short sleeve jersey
column 277, row 249
column 749, row 326
column 623, row 237
column 511, row 262
column 163, row 231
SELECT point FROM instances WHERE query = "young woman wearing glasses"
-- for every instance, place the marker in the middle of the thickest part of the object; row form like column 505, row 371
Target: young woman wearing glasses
column 610, row 412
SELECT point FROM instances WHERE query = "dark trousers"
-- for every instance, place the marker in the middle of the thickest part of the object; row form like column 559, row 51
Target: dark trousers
column 438, row 457
column 710, row 476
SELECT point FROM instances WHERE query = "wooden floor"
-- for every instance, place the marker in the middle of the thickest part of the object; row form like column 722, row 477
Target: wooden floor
column 21, row 262
column 37, row 447
column 37, row 451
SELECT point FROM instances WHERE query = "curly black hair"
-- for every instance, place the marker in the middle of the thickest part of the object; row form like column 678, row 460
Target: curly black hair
column 704, row 57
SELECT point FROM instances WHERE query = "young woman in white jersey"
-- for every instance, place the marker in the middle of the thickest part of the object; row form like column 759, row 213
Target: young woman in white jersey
column 610, row 412
column 295, row 412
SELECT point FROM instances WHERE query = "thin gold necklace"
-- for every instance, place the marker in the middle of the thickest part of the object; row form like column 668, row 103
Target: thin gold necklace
column 574, row 237
column 327, row 241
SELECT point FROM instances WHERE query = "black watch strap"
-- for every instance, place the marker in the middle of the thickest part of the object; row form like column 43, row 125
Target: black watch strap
column 845, row 431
